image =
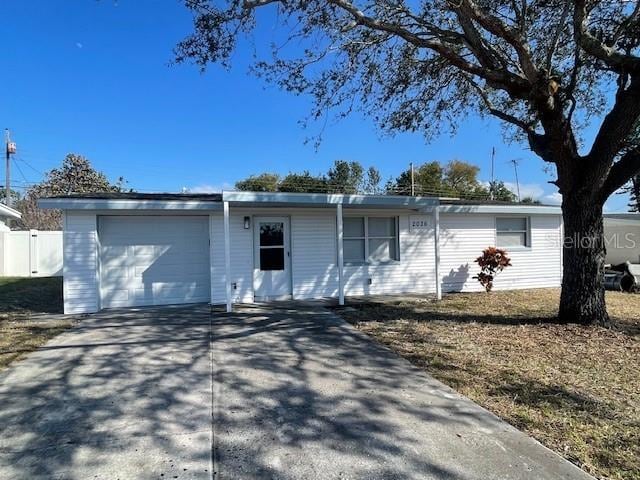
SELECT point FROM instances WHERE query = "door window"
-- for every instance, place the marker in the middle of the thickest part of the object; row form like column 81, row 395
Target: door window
column 271, row 246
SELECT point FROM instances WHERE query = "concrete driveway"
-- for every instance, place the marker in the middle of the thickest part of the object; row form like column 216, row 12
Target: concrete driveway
column 287, row 392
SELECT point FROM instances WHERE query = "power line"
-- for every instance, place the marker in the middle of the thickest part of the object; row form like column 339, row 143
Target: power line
column 20, row 170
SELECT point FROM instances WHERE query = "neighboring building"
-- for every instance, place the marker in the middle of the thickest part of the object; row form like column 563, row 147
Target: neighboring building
column 6, row 215
column 128, row 249
column 622, row 237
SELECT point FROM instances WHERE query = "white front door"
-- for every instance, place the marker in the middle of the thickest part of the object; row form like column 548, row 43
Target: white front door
column 272, row 266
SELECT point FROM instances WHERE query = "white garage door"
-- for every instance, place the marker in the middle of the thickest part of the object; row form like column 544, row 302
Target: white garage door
column 153, row 260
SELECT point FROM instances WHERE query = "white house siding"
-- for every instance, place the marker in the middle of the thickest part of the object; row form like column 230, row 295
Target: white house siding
column 464, row 236
column 622, row 239
column 314, row 255
column 314, row 258
column 241, row 260
column 80, row 270
column 414, row 273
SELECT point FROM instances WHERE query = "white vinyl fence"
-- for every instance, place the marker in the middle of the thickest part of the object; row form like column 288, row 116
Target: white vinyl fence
column 30, row 253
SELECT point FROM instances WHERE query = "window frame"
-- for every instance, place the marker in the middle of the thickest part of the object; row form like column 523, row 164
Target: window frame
column 526, row 231
column 367, row 260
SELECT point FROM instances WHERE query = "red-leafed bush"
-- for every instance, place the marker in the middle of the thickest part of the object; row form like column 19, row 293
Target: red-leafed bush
column 492, row 261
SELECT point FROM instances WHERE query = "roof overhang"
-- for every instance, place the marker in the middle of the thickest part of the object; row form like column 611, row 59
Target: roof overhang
column 63, row 203
column 282, row 199
column 503, row 209
column 287, row 200
column 6, row 211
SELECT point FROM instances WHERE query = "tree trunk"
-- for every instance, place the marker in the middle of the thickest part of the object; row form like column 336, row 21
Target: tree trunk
column 582, row 299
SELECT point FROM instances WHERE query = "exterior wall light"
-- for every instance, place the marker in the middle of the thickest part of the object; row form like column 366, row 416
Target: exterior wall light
column 247, row 223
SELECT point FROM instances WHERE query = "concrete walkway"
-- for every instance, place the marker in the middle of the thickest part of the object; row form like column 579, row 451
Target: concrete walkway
column 286, row 392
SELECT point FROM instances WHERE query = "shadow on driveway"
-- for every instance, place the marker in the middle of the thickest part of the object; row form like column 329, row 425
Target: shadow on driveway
column 125, row 394
column 298, row 393
column 287, row 391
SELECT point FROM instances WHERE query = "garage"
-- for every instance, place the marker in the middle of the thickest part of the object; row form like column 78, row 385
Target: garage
column 153, row 260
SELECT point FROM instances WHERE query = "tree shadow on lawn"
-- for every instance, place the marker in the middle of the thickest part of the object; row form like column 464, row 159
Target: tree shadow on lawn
column 31, row 295
column 388, row 311
column 383, row 311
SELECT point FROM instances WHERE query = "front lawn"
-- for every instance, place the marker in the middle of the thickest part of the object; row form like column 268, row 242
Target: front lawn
column 576, row 389
column 24, row 321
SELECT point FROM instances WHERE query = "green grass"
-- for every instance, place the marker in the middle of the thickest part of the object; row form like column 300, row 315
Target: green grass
column 24, row 323
column 574, row 388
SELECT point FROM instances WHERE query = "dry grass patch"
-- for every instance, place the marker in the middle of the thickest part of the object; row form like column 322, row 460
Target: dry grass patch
column 24, row 323
column 573, row 388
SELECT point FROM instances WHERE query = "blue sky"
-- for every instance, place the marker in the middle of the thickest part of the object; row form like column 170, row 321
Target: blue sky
column 94, row 78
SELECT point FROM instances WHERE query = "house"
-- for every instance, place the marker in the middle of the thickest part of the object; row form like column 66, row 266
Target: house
column 135, row 249
column 6, row 215
column 622, row 237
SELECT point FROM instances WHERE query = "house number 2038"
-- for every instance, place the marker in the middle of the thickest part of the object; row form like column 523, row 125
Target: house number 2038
column 419, row 223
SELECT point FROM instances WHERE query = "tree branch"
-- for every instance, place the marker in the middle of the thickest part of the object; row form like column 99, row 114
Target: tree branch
column 497, row 27
column 620, row 173
column 504, row 80
column 556, row 36
column 527, row 127
column 618, row 123
column 617, row 61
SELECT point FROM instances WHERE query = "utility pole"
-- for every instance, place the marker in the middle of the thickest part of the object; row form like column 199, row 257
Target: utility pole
column 10, row 150
column 515, row 167
column 413, row 183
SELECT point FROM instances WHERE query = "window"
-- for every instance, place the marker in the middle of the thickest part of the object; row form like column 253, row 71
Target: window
column 370, row 239
column 512, row 232
column 271, row 246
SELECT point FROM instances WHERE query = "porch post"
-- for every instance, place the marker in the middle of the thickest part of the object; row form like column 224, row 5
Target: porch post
column 436, row 243
column 340, row 255
column 227, row 257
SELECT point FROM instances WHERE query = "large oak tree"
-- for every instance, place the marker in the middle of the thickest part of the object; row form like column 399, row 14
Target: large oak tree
column 548, row 69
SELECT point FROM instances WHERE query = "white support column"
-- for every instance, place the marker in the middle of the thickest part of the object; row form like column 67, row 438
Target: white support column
column 227, row 257
column 436, row 243
column 340, row 255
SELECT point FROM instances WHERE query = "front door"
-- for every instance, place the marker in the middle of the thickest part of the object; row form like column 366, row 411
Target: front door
column 272, row 269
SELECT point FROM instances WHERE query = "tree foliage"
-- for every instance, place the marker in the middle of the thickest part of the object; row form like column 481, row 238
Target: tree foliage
column 342, row 177
column 633, row 189
column 265, row 182
column 455, row 179
column 15, row 195
column 346, row 177
column 76, row 175
column 499, row 191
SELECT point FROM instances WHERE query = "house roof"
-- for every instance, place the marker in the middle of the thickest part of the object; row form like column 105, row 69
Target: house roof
column 9, row 212
column 213, row 201
column 212, row 197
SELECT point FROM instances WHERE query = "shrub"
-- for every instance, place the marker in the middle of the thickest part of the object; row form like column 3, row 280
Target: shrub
column 492, row 261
